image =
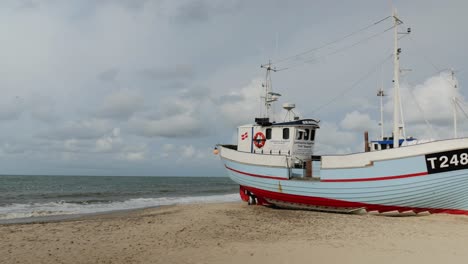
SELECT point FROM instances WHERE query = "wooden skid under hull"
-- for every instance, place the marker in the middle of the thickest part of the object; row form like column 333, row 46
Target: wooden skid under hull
column 291, row 201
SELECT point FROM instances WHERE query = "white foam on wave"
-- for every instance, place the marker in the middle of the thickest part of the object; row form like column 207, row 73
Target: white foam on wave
column 15, row 211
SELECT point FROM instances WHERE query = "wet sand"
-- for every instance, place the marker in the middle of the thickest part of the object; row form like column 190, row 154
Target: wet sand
column 235, row 233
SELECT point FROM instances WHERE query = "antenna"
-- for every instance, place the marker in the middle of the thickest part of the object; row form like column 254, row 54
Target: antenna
column 270, row 97
column 381, row 94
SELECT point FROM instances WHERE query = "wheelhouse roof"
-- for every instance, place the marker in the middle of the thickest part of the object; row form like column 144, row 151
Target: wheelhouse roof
column 301, row 122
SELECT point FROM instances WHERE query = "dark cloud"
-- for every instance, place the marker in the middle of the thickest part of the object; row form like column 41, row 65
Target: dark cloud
column 180, row 126
column 11, row 110
column 83, row 129
column 195, row 93
column 195, row 11
column 229, row 98
column 202, row 11
column 13, row 146
column 179, row 72
column 108, row 75
column 120, row 105
column 43, row 108
column 175, row 85
column 133, row 4
column 169, row 109
column 45, row 114
column 28, row 4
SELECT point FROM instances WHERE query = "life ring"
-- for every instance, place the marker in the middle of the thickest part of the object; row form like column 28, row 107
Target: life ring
column 259, row 140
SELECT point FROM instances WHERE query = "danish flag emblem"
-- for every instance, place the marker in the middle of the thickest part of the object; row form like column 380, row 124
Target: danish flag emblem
column 244, row 136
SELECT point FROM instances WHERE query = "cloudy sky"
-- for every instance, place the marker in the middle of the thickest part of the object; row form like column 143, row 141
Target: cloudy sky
column 148, row 87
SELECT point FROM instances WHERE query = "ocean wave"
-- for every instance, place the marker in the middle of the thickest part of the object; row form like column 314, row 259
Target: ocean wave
column 16, row 211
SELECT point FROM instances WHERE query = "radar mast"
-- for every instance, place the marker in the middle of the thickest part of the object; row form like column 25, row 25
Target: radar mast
column 269, row 97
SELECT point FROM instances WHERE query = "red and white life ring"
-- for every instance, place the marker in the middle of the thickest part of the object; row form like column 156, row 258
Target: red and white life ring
column 259, row 140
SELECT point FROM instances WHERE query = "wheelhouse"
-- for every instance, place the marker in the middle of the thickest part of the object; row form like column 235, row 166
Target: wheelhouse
column 295, row 138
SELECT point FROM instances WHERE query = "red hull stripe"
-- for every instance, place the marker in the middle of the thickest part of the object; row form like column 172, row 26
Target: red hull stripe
column 377, row 178
column 335, row 180
column 326, row 202
column 256, row 175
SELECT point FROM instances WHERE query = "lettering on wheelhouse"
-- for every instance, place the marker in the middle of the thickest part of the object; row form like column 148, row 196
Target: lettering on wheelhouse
column 447, row 161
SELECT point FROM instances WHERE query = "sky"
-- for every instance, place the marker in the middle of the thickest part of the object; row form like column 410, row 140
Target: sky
column 148, row 87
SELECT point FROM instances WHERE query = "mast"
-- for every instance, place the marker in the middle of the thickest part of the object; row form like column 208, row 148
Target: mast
column 396, row 83
column 269, row 96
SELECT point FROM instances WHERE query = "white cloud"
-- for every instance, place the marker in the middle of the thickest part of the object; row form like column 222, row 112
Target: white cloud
column 331, row 140
column 430, row 100
column 135, row 156
column 358, row 122
column 133, row 153
column 167, row 150
column 71, row 145
column 192, row 152
column 110, row 142
column 188, row 151
column 246, row 106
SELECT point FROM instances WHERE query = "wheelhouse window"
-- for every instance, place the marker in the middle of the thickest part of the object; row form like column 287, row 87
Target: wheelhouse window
column 306, row 134
column 268, row 133
column 285, row 133
column 312, row 135
column 300, row 133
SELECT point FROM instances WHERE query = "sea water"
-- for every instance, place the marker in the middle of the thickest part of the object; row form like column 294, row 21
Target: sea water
column 41, row 196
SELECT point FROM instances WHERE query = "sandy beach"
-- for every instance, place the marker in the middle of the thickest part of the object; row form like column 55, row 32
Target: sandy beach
column 235, row 233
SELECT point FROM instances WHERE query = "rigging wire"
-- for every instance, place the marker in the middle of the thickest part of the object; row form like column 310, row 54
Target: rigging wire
column 438, row 71
column 428, row 124
column 316, row 60
column 457, row 103
column 461, row 108
column 354, row 85
column 331, row 42
column 426, row 58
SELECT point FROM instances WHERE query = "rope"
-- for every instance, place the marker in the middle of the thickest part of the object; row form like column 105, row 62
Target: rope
column 426, row 58
column 354, row 85
column 331, row 42
column 315, row 60
column 431, row 130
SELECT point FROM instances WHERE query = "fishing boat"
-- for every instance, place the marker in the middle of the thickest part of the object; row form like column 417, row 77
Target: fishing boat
column 275, row 165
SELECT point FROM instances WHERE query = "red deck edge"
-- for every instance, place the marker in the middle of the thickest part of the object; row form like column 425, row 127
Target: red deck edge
column 336, row 180
column 326, row 202
column 378, row 178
